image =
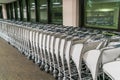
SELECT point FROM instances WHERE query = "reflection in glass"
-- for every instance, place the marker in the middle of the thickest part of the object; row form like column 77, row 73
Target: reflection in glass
column 56, row 11
column 13, row 9
column 18, row 10
column 102, row 13
column 32, row 10
column 24, row 10
column 43, row 11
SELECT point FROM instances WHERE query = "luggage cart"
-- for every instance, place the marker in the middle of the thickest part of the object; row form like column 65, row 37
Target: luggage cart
column 95, row 64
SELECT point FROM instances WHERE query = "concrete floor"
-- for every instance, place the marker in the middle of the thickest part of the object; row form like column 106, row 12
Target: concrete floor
column 15, row 66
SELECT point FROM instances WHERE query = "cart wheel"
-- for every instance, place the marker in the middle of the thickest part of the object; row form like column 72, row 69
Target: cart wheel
column 55, row 76
column 55, row 73
column 60, row 75
column 51, row 70
column 29, row 57
column 42, row 66
column 47, row 68
column 65, row 78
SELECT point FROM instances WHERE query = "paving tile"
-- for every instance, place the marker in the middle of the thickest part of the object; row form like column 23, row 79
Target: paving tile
column 15, row 66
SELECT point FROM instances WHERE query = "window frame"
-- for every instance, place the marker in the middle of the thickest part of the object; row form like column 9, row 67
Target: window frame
column 15, row 8
column 21, row 10
column 1, row 15
column 8, row 11
column 11, row 11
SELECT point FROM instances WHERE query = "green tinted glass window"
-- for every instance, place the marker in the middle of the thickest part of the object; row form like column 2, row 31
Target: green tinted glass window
column 56, row 10
column 13, row 9
column 32, row 10
column 24, row 10
column 43, row 11
column 102, row 13
column 18, row 10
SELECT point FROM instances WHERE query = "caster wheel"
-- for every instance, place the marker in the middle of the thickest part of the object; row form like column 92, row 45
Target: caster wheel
column 60, row 78
column 60, row 75
column 38, row 61
column 29, row 57
column 65, row 78
column 33, row 60
column 47, row 68
column 8, row 42
column 51, row 70
column 55, row 76
column 33, row 57
column 26, row 54
column 55, row 73
column 13, row 46
column 42, row 67
column 23, row 53
column 39, row 64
